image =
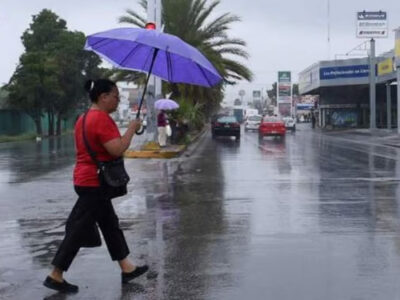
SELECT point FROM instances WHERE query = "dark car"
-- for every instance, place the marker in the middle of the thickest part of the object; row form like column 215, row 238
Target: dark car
column 225, row 126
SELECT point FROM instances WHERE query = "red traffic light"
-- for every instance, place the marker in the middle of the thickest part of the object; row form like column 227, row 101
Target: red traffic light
column 150, row 25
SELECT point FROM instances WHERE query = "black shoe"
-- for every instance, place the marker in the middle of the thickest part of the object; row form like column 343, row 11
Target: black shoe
column 126, row 277
column 62, row 287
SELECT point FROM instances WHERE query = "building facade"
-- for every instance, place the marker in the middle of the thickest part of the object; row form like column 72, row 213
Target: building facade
column 343, row 90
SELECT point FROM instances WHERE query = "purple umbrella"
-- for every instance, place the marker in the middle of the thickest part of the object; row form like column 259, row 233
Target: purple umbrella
column 154, row 52
column 166, row 104
column 137, row 48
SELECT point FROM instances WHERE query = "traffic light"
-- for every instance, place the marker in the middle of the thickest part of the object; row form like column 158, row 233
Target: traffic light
column 150, row 25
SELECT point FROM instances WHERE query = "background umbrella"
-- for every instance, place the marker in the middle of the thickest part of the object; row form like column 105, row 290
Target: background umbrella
column 166, row 104
column 154, row 52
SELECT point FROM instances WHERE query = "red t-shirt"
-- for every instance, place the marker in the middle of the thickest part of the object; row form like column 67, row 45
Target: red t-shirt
column 100, row 129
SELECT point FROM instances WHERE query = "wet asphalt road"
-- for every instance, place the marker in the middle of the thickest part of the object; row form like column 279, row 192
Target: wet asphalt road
column 313, row 216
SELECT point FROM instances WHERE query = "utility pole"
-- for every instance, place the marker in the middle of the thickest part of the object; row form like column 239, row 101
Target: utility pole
column 372, row 24
column 158, row 84
column 154, row 9
column 329, row 30
column 388, row 106
column 372, row 87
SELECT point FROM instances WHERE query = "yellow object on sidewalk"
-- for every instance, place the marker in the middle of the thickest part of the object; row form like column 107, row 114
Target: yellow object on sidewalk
column 150, row 146
column 167, row 152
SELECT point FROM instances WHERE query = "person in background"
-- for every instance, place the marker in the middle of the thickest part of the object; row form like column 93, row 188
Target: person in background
column 313, row 119
column 93, row 208
column 162, row 122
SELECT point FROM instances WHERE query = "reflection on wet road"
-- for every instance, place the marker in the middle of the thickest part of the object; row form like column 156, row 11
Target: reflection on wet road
column 311, row 216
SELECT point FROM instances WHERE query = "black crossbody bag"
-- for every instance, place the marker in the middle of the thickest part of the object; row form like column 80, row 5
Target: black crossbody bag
column 112, row 174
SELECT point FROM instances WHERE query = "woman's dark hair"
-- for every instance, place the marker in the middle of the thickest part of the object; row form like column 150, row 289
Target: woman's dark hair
column 97, row 87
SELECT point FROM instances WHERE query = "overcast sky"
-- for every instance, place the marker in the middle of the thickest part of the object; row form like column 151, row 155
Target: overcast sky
column 281, row 35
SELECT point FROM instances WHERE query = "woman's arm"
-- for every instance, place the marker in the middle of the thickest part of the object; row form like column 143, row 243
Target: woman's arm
column 117, row 147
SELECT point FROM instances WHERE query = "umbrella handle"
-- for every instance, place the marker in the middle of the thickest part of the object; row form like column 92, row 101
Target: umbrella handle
column 140, row 131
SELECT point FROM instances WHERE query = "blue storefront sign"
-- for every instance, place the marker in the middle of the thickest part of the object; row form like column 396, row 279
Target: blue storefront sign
column 304, row 106
column 357, row 71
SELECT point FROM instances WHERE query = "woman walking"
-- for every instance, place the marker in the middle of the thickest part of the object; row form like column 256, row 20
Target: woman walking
column 93, row 208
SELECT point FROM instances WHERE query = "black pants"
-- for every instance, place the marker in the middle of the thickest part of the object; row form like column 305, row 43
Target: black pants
column 91, row 209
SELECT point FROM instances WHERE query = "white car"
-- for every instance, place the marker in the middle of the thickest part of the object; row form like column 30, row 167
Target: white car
column 252, row 122
column 290, row 123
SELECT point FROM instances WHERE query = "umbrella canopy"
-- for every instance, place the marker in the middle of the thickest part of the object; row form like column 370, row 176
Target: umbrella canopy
column 151, row 51
column 166, row 104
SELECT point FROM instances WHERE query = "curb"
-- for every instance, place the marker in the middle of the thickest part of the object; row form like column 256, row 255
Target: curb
column 197, row 136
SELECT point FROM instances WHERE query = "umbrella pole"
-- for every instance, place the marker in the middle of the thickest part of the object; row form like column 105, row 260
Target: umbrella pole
column 141, row 130
column 147, row 81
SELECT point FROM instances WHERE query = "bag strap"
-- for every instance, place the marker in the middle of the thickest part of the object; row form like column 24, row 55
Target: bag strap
column 88, row 148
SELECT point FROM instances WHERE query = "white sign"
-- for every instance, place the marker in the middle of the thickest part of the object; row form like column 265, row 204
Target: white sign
column 285, row 99
column 372, row 24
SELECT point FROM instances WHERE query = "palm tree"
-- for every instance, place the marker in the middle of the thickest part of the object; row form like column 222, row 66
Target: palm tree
column 189, row 20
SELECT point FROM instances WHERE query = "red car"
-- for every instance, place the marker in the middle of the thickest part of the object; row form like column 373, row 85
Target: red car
column 271, row 126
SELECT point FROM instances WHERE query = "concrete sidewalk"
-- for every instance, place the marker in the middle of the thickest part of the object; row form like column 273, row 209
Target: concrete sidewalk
column 139, row 148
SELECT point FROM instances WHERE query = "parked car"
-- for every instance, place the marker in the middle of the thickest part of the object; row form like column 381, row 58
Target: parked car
column 290, row 123
column 252, row 122
column 225, row 126
column 215, row 117
column 271, row 126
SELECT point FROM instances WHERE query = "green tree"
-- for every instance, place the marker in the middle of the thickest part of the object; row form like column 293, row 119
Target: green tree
column 74, row 66
column 272, row 93
column 3, row 97
column 31, row 85
column 51, row 72
column 295, row 89
column 34, row 86
column 191, row 21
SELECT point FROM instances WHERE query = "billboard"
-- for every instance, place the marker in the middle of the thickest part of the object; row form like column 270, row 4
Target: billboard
column 372, row 24
column 284, row 91
column 285, row 109
column 386, row 66
column 284, row 76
